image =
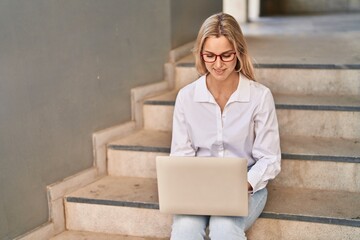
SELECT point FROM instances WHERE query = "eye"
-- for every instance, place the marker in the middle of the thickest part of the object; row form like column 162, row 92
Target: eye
column 226, row 55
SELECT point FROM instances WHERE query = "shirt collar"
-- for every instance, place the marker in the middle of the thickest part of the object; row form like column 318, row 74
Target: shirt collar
column 241, row 94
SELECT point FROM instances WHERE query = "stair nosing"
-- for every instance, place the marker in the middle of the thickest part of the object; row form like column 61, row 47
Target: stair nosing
column 279, row 106
column 118, row 203
column 325, row 158
column 314, row 219
column 139, row 148
column 289, row 156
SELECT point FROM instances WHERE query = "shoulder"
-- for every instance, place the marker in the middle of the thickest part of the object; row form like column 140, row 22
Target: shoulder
column 258, row 90
column 188, row 91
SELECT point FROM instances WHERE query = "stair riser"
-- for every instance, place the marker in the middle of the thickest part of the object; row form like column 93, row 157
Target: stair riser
column 294, row 81
column 337, row 124
column 184, row 76
column 132, row 163
column 311, row 81
column 321, row 175
column 291, row 122
column 273, row 229
column 117, row 220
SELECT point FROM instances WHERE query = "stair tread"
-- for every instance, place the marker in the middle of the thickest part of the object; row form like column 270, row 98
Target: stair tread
column 80, row 235
column 283, row 101
column 144, row 140
column 337, row 207
column 293, row 147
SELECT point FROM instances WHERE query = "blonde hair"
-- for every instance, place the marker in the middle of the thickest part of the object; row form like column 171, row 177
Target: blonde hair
column 222, row 24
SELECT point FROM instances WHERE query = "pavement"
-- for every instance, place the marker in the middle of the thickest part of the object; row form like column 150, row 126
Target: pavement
column 322, row 41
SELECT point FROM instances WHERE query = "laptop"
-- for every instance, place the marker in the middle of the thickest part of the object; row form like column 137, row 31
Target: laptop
column 202, row 185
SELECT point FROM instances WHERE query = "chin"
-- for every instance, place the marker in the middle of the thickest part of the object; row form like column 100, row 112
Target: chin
column 221, row 77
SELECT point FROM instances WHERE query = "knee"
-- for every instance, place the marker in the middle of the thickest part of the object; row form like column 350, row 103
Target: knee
column 226, row 228
column 186, row 227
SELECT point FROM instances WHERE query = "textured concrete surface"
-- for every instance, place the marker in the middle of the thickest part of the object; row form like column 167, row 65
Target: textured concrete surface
column 151, row 139
column 117, row 220
column 305, row 40
column 79, row 235
column 292, row 111
column 322, row 175
column 275, row 229
column 147, row 140
column 310, row 202
column 339, row 157
column 117, row 205
column 331, row 124
column 295, row 101
column 132, row 163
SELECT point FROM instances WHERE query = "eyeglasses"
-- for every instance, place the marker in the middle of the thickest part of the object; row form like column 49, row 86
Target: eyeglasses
column 211, row 57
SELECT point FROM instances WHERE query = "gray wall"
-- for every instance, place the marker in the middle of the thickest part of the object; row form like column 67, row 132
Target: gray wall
column 66, row 70
column 187, row 17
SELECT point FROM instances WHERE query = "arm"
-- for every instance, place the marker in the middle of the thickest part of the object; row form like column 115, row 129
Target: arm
column 266, row 148
column 181, row 142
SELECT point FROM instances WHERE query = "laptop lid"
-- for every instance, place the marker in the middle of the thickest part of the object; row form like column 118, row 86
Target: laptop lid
column 202, row 185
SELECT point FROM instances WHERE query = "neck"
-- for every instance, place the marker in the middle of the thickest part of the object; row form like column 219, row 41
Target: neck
column 228, row 86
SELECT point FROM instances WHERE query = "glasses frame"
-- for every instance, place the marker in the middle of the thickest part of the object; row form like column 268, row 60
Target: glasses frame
column 216, row 56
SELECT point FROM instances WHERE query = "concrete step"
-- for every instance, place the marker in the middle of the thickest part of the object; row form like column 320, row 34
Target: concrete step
column 326, row 116
column 117, row 205
column 312, row 162
column 125, row 205
column 298, row 79
column 81, row 235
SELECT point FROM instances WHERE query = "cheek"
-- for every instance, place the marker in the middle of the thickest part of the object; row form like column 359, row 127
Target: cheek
column 208, row 66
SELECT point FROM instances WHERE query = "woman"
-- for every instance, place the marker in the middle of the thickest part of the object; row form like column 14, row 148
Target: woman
column 225, row 113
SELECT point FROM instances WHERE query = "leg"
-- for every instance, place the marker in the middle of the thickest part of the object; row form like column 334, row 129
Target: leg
column 231, row 228
column 189, row 227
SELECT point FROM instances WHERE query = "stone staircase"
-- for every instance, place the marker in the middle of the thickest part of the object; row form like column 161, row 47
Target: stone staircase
column 316, row 195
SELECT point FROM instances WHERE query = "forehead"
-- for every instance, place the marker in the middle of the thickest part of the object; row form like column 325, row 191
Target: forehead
column 217, row 44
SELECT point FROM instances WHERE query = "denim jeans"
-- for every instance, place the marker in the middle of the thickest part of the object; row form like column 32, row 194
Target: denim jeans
column 191, row 227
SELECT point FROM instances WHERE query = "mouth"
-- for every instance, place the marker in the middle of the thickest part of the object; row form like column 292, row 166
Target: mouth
column 219, row 71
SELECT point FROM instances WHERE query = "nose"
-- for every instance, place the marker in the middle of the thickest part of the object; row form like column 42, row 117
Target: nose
column 218, row 62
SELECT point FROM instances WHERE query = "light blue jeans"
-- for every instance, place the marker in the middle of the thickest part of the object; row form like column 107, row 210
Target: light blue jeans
column 191, row 227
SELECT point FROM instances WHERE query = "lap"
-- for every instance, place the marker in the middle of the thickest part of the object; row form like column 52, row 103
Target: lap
column 219, row 225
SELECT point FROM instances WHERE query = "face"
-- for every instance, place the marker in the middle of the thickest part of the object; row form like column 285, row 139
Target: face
column 220, row 70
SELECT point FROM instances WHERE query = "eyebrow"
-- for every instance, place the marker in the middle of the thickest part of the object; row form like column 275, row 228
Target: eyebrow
column 228, row 51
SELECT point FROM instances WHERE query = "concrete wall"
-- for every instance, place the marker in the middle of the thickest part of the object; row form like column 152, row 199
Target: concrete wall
column 66, row 70
column 187, row 17
column 288, row 7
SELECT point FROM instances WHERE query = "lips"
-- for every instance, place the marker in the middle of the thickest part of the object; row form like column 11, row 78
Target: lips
column 219, row 71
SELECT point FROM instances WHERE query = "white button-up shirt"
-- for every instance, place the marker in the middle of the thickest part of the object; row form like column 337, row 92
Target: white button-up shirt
column 246, row 128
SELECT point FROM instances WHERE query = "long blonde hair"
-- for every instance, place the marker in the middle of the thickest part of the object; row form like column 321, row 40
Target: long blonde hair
column 222, row 24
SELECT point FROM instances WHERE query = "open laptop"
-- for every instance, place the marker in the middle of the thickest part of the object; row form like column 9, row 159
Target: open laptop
column 202, row 185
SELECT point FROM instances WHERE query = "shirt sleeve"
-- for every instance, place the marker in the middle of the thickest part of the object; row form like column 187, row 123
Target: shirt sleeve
column 266, row 149
column 181, row 143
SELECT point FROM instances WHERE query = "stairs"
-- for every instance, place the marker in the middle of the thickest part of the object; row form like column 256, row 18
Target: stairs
column 316, row 195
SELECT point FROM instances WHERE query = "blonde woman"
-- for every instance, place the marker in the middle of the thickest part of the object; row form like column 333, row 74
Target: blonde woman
column 225, row 113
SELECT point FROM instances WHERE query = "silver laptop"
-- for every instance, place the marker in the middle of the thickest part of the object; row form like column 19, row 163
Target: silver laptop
column 202, row 185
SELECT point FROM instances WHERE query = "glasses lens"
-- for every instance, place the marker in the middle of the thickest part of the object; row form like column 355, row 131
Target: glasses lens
column 227, row 57
column 209, row 57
